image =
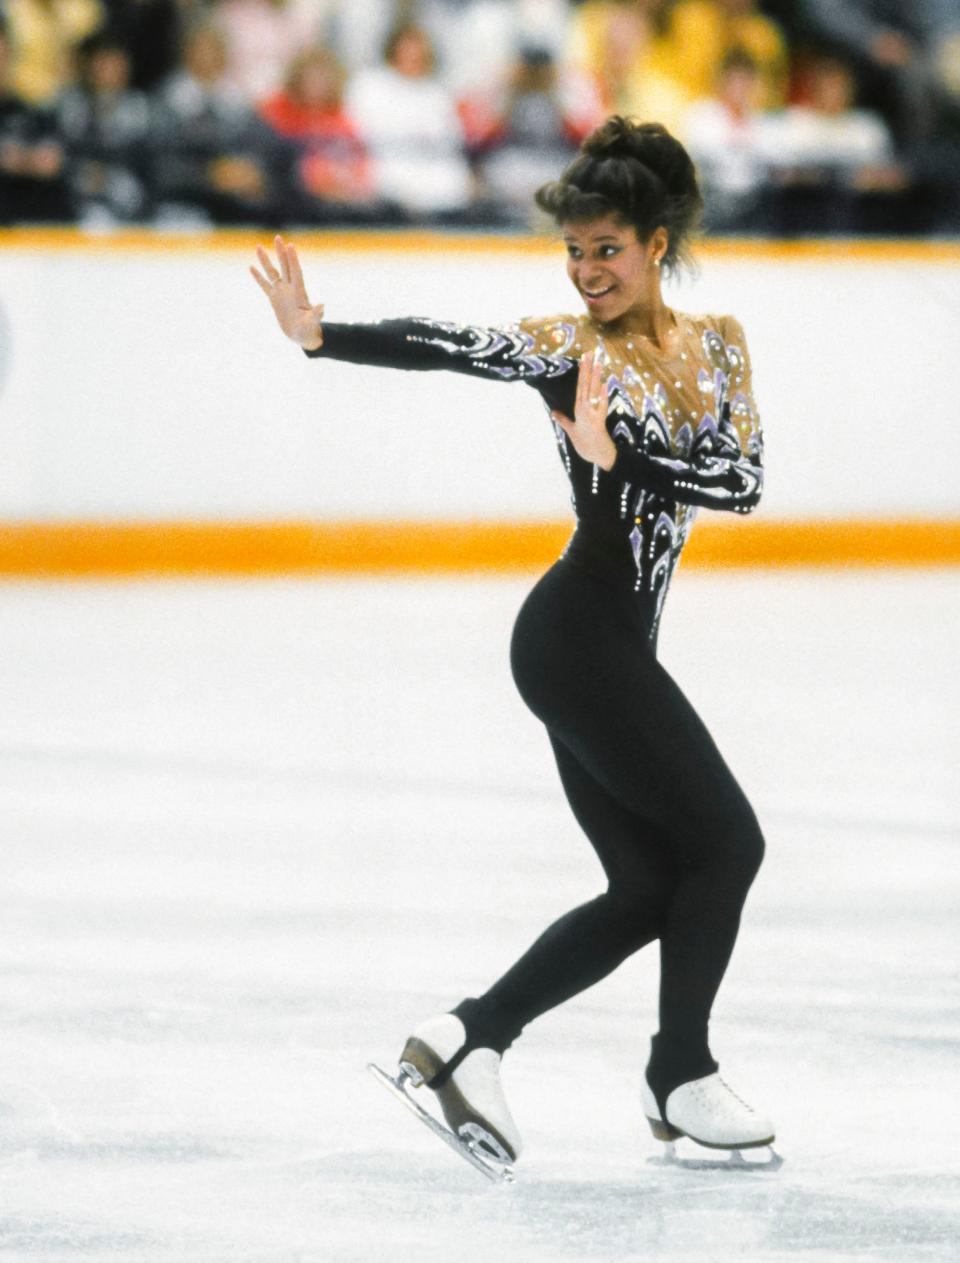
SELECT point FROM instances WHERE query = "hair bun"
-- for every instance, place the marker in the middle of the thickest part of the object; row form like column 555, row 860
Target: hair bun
column 636, row 172
column 648, row 143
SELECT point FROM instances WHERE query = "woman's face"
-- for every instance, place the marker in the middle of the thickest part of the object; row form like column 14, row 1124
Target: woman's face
column 206, row 56
column 612, row 270
column 412, row 55
column 108, row 70
column 317, row 84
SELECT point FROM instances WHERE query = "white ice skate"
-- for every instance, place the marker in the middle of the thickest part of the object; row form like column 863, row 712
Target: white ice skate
column 712, row 1115
column 471, row 1098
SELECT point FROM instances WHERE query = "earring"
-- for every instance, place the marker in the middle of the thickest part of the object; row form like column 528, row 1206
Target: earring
column 656, row 263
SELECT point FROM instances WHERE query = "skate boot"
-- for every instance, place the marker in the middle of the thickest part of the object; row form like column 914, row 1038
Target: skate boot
column 466, row 1083
column 711, row 1114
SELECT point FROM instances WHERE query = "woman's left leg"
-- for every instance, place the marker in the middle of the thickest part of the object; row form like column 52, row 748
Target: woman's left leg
column 645, row 745
column 589, row 942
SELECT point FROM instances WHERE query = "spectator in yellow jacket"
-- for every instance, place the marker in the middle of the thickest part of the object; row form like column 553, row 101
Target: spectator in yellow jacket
column 700, row 34
column 45, row 34
column 620, row 46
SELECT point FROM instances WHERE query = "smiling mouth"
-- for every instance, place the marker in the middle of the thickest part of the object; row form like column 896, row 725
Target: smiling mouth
column 595, row 294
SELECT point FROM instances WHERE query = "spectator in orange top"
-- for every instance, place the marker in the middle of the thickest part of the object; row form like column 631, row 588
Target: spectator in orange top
column 702, row 32
column 334, row 166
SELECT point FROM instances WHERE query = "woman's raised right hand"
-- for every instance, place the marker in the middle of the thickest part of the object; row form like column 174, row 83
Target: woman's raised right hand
column 283, row 285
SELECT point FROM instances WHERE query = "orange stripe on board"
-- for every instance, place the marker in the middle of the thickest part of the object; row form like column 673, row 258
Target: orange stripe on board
column 144, row 241
column 84, row 549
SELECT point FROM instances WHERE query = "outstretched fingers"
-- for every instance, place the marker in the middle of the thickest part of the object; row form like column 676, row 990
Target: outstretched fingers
column 283, row 256
column 266, row 263
column 261, row 280
column 296, row 276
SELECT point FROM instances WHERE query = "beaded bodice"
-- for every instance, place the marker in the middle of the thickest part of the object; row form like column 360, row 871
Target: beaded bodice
column 685, row 423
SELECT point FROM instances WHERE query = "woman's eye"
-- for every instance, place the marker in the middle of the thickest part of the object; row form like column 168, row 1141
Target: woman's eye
column 573, row 252
column 608, row 250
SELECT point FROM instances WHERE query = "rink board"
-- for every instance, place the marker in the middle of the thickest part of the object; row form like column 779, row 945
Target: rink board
column 165, row 420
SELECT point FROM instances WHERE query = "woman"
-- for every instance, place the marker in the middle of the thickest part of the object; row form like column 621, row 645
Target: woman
column 654, row 416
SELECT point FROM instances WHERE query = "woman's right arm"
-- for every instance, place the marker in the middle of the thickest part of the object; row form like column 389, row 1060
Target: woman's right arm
column 412, row 343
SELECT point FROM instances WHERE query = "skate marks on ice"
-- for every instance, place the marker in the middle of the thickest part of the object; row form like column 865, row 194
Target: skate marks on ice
column 648, row 1214
column 472, row 1147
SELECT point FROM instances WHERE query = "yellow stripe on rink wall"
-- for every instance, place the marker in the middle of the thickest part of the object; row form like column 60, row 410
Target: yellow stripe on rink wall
column 145, row 241
column 403, row 241
column 109, row 550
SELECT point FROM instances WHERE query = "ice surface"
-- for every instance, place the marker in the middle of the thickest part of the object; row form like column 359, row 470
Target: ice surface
column 252, row 832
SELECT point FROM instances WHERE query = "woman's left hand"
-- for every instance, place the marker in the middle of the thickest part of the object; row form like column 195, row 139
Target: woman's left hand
column 588, row 430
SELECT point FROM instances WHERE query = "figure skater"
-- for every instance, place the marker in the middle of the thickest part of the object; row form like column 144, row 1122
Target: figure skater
column 654, row 416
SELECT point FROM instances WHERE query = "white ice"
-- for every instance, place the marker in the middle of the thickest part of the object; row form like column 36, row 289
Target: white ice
column 252, row 832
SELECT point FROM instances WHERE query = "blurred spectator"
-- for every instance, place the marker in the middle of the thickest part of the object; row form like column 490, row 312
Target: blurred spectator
column 525, row 133
column 835, row 162
column 621, row 44
column 213, row 156
column 729, row 139
column 411, row 125
column 105, row 126
column 32, row 186
column 830, row 135
column 336, row 181
column 905, row 53
column 358, row 29
column 151, row 32
column 702, row 32
column 477, row 40
column 263, row 37
column 45, row 34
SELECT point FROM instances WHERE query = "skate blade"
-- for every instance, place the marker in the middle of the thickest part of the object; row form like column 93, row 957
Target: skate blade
column 767, row 1159
column 470, row 1145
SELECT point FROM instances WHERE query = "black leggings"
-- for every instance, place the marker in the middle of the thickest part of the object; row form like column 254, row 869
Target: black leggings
column 677, row 839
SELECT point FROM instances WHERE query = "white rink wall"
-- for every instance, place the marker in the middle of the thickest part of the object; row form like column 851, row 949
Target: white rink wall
column 149, row 383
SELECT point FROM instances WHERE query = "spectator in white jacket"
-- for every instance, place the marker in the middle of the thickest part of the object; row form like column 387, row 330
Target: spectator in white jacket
column 411, row 126
column 729, row 138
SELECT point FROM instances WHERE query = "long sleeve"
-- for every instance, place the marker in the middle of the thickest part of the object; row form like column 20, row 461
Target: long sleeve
column 717, row 466
column 422, row 345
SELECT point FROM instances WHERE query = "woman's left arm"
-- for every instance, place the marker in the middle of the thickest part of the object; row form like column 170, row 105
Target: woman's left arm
column 721, row 472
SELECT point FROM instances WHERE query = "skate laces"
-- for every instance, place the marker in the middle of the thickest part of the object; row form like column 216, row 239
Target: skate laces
column 736, row 1097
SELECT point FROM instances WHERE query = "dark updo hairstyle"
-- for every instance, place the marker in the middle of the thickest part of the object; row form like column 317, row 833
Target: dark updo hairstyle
column 636, row 172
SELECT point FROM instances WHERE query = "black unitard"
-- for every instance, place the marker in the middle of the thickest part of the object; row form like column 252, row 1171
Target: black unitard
column 678, row 841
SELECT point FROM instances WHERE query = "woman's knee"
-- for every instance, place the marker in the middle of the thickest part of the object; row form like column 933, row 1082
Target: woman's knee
column 743, row 841
column 636, row 908
column 730, row 839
